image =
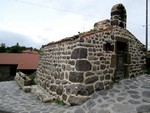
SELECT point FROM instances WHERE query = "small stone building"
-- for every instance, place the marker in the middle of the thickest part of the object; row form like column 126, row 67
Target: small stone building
column 10, row 63
column 75, row 67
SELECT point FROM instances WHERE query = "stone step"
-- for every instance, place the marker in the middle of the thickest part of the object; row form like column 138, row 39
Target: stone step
column 42, row 94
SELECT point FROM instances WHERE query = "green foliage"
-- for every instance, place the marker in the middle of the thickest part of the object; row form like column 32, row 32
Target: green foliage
column 32, row 77
column 91, row 30
column 2, row 48
column 15, row 49
column 60, row 102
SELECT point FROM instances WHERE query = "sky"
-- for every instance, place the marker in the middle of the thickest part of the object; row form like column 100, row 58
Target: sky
column 34, row 23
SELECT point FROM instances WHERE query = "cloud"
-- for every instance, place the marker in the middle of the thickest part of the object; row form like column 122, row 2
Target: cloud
column 54, row 20
column 11, row 38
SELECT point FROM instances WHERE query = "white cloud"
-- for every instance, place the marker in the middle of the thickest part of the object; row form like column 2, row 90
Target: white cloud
column 54, row 20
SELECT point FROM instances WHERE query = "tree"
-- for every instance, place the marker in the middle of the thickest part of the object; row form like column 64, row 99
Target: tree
column 2, row 48
column 15, row 49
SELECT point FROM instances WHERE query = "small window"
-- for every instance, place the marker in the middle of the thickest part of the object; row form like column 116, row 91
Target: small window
column 108, row 47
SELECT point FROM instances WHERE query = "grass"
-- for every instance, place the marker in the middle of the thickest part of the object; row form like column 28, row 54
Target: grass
column 32, row 77
column 60, row 102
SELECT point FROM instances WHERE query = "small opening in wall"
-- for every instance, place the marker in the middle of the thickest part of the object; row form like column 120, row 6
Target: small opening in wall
column 108, row 47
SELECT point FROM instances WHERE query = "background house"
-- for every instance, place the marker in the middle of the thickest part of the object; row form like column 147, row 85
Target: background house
column 10, row 63
column 29, row 52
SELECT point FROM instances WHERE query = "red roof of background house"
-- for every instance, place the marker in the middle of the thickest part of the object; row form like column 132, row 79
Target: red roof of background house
column 24, row 61
column 29, row 51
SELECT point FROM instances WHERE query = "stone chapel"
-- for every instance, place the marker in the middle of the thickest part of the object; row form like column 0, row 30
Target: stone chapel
column 74, row 68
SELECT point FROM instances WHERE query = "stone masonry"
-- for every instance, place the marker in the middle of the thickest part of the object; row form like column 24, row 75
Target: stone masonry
column 76, row 67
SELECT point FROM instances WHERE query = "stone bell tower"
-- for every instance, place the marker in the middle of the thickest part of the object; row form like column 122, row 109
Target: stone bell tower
column 118, row 16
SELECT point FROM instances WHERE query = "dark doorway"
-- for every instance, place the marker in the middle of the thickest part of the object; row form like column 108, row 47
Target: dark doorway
column 121, row 60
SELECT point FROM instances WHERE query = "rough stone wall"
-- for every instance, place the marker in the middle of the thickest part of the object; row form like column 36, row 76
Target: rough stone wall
column 135, row 61
column 74, row 68
column 56, row 70
column 5, row 73
column 138, row 62
column 101, row 25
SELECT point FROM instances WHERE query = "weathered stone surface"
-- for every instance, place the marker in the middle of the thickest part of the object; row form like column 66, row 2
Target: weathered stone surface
column 71, row 62
column 134, row 102
column 104, row 105
column 5, row 72
column 103, row 93
column 42, row 94
column 113, row 61
column 103, row 66
column 90, row 104
column 99, row 100
column 122, row 108
column 120, row 99
column 133, row 92
column 53, row 87
column 94, row 96
column 79, row 110
column 73, row 88
column 123, row 94
column 133, row 87
column 83, row 65
column 64, row 96
column 77, row 100
column 143, row 109
column 115, row 90
column 102, row 58
column 26, row 89
column 68, row 67
column 146, row 94
column 89, row 74
column 135, row 96
column 79, row 53
column 145, row 87
column 91, row 79
column 92, row 58
column 103, row 111
column 110, row 70
column 59, row 90
column 76, row 77
column 57, row 81
column 94, row 110
column 86, row 45
column 111, row 94
column 89, row 89
column 97, row 62
column 64, row 82
column 111, row 101
column 85, row 90
column 105, row 72
column 105, row 97
column 102, row 77
column 107, row 77
column 99, row 86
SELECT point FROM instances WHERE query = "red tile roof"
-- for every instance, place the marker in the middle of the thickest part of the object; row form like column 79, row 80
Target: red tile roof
column 30, row 52
column 84, row 35
column 24, row 61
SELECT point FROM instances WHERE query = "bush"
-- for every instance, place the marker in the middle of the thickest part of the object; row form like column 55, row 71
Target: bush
column 32, row 77
column 60, row 102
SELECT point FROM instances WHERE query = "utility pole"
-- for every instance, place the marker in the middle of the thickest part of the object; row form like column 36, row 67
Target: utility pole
column 146, row 25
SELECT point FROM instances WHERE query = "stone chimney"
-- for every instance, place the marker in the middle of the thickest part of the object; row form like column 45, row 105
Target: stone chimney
column 118, row 16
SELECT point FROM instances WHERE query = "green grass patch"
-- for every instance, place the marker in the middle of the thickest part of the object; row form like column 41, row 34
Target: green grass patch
column 32, row 77
column 60, row 102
